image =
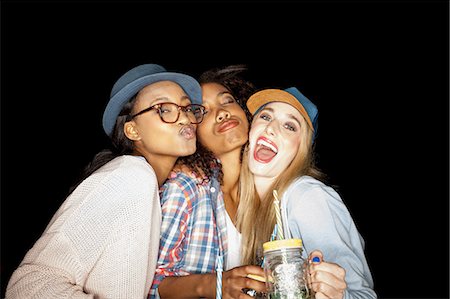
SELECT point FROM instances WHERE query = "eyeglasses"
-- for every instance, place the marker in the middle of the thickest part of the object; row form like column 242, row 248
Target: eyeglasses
column 170, row 112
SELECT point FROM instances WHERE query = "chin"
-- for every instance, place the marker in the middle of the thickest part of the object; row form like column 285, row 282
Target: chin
column 188, row 149
column 258, row 169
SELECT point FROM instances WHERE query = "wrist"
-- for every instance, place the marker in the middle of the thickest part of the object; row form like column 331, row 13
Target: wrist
column 206, row 287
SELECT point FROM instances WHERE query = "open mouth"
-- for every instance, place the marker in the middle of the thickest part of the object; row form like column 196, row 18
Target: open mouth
column 265, row 150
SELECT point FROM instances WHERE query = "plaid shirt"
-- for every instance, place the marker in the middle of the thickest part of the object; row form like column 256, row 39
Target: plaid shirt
column 193, row 229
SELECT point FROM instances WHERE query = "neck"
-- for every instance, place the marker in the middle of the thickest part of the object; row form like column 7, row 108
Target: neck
column 162, row 166
column 262, row 185
column 231, row 168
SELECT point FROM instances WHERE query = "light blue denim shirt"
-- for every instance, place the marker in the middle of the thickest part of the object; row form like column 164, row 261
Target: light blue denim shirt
column 315, row 213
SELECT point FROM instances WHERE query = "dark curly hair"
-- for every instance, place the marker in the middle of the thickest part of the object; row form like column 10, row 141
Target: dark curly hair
column 203, row 160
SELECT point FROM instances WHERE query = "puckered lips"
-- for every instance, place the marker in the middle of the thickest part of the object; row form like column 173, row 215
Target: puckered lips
column 188, row 131
column 265, row 150
column 227, row 125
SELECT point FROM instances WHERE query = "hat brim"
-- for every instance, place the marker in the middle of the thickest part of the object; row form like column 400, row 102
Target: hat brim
column 266, row 96
column 118, row 100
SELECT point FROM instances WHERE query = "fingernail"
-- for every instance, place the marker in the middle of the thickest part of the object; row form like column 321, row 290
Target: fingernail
column 316, row 259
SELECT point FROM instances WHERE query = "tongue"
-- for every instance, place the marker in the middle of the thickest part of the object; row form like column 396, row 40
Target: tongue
column 264, row 153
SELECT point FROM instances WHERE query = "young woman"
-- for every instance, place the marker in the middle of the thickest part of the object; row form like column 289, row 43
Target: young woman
column 200, row 199
column 280, row 157
column 103, row 240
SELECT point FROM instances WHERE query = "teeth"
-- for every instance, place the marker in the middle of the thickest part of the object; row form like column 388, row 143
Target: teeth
column 265, row 143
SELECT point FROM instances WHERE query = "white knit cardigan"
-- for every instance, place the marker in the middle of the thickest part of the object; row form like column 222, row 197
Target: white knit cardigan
column 101, row 243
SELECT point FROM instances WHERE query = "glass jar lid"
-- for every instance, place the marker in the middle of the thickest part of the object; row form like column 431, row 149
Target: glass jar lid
column 281, row 244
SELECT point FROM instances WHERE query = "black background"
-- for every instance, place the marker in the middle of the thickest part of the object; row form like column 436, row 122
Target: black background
column 377, row 70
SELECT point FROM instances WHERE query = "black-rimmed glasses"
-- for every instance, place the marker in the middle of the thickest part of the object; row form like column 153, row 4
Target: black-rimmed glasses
column 170, row 112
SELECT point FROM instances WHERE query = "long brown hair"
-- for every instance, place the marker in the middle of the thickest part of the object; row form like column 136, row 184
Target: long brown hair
column 256, row 216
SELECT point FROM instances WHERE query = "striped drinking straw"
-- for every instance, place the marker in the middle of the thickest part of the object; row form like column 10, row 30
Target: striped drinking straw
column 219, row 269
column 276, row 203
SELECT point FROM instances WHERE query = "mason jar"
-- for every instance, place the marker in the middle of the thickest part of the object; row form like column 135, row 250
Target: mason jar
column 285, row 270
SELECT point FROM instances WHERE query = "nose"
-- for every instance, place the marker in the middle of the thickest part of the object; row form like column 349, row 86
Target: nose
column 222, row 115
column 183, row 118
column 271, row 128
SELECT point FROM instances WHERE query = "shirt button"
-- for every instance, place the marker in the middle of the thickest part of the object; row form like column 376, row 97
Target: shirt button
column 213, row 189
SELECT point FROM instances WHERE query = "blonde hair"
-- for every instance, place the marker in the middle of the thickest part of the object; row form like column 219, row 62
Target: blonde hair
column 256, row 216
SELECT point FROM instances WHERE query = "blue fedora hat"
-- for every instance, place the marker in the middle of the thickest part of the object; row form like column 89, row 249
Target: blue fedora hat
column 137, row 78
column 290, row 96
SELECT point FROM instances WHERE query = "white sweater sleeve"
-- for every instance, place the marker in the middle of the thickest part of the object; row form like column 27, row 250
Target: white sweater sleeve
column 101, row 243
column 316, row 214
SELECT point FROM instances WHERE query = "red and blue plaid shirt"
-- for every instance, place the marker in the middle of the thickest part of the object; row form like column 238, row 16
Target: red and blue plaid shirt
column 193, row 229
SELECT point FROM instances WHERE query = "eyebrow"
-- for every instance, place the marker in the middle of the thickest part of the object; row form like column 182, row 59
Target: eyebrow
column 291, row 116
column 220, row 94
column 295, row 119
